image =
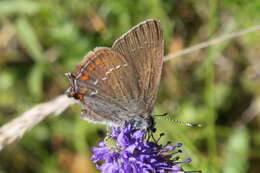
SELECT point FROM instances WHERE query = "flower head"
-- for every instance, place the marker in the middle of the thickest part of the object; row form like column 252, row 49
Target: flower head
column 128, row 151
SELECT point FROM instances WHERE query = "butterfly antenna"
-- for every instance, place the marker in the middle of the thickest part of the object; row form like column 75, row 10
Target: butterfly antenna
column 179, row 122
column 162, row 115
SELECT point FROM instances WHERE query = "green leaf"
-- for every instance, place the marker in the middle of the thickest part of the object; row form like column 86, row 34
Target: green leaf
column 6, row 80
column 14, row 7
column 35, row 80
column 237, row 150
column 29, row 40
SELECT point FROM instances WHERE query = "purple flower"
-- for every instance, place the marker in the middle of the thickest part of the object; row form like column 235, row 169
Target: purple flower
column 129, row 151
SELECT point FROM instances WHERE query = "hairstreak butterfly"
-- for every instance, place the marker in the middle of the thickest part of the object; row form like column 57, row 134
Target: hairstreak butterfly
column 119, row 85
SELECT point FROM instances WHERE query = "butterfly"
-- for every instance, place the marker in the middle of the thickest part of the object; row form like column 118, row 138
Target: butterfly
column 119, row 85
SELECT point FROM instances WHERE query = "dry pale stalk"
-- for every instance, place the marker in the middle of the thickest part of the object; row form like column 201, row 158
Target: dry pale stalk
column 17, row 127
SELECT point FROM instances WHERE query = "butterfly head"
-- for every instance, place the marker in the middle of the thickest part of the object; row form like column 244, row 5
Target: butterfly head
column 144, row 123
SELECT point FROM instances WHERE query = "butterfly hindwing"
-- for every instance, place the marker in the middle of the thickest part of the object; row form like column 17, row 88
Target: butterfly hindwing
column 105, row 89
column 142, row 47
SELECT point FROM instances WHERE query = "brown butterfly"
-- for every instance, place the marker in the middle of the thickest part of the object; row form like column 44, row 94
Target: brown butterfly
column 119, row 85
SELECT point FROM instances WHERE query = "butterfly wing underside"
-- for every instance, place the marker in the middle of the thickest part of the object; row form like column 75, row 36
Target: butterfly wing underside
column 120, row 84
column 104, row 87
column 143, row 47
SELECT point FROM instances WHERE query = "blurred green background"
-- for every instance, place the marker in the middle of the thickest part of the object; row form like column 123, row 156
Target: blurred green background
column 219, row 86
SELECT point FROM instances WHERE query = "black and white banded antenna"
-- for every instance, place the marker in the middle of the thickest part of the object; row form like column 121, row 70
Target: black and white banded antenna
column 162, row 117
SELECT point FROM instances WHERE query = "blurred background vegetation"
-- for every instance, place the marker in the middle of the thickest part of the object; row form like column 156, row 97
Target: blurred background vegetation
column 40, row 40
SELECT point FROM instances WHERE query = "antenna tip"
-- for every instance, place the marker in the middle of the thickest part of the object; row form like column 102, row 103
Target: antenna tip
column 195, row 125
column 198, row 125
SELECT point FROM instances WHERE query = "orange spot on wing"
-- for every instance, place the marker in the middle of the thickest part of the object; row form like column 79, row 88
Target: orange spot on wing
column 98, row 62
column 78, row 96
column 85, row 76
column 83, row 92
column 91, row 67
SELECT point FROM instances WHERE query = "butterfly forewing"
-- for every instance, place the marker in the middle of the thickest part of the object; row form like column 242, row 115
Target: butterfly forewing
column 120, row 84
column 142, row 47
